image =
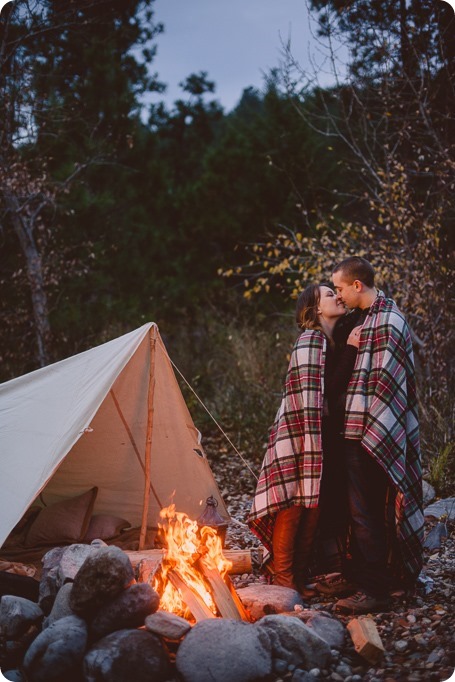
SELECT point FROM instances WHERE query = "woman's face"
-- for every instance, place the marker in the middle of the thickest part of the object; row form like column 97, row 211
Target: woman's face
column 329, row 306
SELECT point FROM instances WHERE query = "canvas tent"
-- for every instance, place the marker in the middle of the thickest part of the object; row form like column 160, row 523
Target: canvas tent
column 112, row 417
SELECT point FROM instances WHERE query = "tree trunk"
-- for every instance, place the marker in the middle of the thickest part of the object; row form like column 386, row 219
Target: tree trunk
column 24, row 230
column 404, row 41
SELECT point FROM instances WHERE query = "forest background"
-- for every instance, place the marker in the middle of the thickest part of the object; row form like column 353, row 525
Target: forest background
column 209, row 222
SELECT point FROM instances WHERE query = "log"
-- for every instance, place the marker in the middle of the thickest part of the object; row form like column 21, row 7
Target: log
column 221, row 593
column 366, row 639
column 238, row 602
column 192, row 599
column 241, row 558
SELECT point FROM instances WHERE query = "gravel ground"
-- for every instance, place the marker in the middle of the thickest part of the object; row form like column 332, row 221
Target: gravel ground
column 418, row 633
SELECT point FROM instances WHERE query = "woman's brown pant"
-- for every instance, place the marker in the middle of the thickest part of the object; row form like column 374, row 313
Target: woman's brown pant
column 293, row 538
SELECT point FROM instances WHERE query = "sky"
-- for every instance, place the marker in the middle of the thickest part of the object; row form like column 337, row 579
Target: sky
column 235, row 41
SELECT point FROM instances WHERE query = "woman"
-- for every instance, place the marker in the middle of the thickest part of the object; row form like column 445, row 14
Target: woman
column 293, row 494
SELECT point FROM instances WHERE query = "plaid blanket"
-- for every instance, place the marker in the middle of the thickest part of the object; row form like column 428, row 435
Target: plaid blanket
column 381, row 411
column 292, row 467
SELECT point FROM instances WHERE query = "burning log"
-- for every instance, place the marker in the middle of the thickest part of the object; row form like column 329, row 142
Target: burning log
column 192, row 599
column 223, row 594
column 240, row 559
column 238, row 602
column 190, row 572
column 225, row 599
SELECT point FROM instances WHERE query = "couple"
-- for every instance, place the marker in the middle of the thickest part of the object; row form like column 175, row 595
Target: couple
column 342, row 471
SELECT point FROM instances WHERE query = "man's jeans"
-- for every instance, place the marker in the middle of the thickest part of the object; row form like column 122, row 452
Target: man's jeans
column 367, row 487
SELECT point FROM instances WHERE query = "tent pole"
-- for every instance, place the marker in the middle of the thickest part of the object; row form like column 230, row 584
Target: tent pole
column 148, row 441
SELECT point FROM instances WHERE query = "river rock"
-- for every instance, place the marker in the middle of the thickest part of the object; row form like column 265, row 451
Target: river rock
column 295, row 642
column 330, row 629
column 127, row 610
column 262, row 600
column 428, row 492
column 48, row 584
column 167, row 625
column 127, row 655
column 105, row 573
column 224, row 650
column 52, row 558
column 437, row 535
column 300, row 675
column 17, row 614
column 57, row 652
column 13, row 676
column 61, row 607
column 441, row 508
column 48, row 589
column 70, row 562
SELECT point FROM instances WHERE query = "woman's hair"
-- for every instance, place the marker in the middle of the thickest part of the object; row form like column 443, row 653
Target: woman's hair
column 306, row 312
column 356, row 267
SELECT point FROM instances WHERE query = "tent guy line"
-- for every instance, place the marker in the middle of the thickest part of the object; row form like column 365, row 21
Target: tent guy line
column 212, row 417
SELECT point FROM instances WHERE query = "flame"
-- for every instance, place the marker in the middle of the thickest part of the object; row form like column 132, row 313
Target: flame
column 185, row 543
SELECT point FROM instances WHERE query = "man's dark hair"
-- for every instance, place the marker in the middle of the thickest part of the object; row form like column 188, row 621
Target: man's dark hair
column 356, row 267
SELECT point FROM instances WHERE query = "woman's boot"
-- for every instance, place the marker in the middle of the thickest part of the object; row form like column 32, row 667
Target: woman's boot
column 283, row 544
column 304, row 543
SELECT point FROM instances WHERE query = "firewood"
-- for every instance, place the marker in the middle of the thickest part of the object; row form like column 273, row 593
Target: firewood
column 221, row 593
column 238, row 602
column 192, row 599
column 241, row 558
column 366, row 639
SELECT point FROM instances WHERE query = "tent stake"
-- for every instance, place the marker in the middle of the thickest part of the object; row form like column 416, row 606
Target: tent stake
column 148, row 441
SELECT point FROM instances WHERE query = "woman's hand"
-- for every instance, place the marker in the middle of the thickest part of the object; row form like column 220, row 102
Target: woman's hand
column 354, row 336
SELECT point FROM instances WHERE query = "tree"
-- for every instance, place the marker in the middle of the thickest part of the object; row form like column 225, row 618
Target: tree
column 69, row 88
column 390, row 38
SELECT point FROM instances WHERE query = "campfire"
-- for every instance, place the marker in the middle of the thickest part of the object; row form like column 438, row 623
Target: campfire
column 192, row 576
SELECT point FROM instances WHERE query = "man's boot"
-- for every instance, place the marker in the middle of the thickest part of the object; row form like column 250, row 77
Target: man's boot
column 283, row 543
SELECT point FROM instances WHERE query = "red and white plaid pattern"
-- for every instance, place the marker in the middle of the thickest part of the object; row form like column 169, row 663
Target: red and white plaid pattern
column 381, row 412
column 292, row 467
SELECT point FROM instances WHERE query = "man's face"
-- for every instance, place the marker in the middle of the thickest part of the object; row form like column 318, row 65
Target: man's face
column 346, row 292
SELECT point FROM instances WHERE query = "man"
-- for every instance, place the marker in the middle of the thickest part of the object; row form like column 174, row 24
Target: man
column 381, row 447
